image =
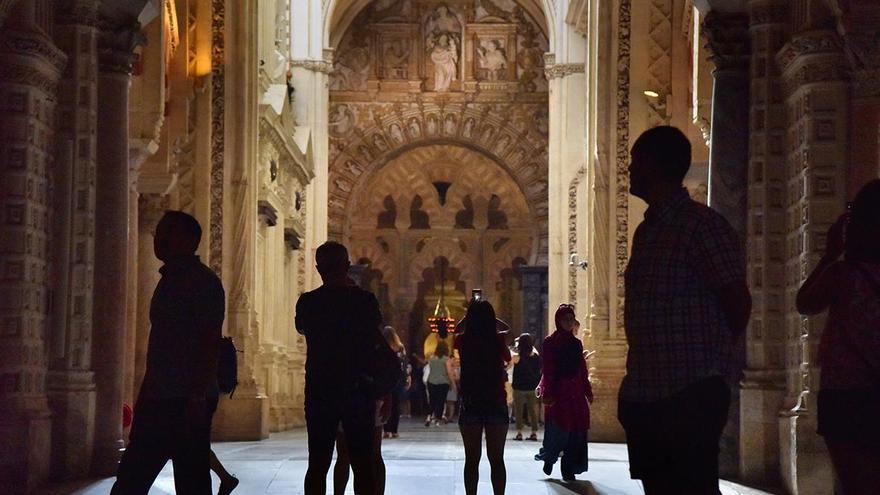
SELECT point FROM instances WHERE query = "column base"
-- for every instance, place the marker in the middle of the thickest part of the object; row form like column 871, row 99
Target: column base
column 805, row 465
column 26, row 447
column 759, row 434
column 72, row 400
column 242, row 418
column 604, row 425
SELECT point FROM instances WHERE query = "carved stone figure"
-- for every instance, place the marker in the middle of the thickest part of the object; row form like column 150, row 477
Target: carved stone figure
column 415, row 129
column 492, row 59
column 449, row 125
column 342, row 120
column 396, row 134
column 468, row 130
column 352, row 68
column 354, row 168
column 432, row 125
column 444, row 54
column 395, row 59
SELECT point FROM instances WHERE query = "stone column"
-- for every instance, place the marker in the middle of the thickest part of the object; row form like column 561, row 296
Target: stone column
column 31, row 67
column 763, row 388
column 864, row 157
column 727, row 36
column 71, row 380
column 814, row 73
column 151, row 207
column 115, row 54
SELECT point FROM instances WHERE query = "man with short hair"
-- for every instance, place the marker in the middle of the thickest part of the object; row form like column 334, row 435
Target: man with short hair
column 341, row 324
column 687, row 303
column 172, row 417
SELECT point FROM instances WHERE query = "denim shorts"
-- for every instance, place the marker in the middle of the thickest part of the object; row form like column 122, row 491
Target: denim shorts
column 483, row 413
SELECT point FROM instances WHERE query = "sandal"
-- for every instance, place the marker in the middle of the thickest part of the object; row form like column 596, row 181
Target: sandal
column 518, row 436
column 533, row 437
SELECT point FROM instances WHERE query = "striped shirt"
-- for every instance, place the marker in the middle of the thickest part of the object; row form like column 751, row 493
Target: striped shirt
column 683, row 254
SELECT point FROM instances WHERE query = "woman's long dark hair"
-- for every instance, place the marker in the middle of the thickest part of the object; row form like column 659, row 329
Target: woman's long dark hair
column 481, row 364
column 568, row 357
column 525, row 345
column 863, row 229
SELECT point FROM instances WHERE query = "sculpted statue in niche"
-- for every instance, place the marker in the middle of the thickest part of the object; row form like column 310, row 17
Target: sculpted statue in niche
column 502, row 143
column 468, row 130
column 443, row 39
column 497, row 217
column 415, row 128
column 354, row 168
column 343, row 185
column 395, row 59
column 488, row 132
column 432, row 125
column 379, row 143
column 491, row 60
column 342, row 120
column 365, row 152
column 464, row 218
column 418, row 218
column 396, row 134
column 352, row 67
column 387, row 218
column 449, row 125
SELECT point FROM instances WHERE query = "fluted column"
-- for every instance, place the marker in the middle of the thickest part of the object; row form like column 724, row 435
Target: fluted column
column 30, row 67
column 71, row 380
column 727, row 35
column 115, row 53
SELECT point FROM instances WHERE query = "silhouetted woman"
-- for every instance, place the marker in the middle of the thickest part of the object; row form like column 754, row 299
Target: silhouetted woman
column 565, row 391
column 484, row 357
column 849, row 350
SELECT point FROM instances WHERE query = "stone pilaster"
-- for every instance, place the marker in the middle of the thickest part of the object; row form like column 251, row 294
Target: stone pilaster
column 116, row 45
column 32, row 66
column 763, row 387
column 728, row 40
column 815, row 82
column 151, row 207
column 71, row 380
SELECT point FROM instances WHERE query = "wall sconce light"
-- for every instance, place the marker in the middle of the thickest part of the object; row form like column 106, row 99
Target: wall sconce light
column 651, row 94
column 657, row 102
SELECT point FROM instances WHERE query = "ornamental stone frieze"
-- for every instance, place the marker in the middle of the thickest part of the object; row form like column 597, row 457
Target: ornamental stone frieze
column 812, row 57
column 557, row 71
column 322, row 66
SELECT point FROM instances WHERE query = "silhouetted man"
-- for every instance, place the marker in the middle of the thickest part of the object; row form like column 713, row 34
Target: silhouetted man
column 172, row 418
column 687, row 303
column 341, row 323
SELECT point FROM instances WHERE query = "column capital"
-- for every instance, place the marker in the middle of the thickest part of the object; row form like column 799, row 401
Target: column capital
column 727, row 37
column 77, row 12
column 116, row 45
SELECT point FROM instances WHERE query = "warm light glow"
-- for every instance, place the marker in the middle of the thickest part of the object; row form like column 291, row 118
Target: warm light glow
column 652, row 94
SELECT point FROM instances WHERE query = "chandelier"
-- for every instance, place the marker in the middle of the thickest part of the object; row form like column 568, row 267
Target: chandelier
column 441, row 320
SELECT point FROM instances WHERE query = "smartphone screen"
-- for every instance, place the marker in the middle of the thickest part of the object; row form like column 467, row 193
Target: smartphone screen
column 477, row 294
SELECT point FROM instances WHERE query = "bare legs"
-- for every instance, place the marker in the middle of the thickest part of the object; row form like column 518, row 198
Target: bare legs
column 472, row 435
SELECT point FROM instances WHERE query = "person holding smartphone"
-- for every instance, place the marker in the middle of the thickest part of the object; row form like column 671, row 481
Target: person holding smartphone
column 849, row 350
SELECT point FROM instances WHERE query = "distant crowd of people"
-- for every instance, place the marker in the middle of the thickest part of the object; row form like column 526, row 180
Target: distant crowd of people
column 687, row 307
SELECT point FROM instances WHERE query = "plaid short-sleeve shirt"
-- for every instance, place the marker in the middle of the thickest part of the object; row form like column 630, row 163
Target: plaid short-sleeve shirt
column 682, row 254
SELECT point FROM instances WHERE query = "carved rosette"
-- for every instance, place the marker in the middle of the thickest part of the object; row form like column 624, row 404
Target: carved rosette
column 727, row 37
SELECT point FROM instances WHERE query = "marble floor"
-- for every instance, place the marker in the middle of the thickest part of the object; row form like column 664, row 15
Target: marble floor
column 422, row 461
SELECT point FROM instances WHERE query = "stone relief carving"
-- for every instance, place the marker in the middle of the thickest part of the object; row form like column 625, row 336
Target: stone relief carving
column 492, row 60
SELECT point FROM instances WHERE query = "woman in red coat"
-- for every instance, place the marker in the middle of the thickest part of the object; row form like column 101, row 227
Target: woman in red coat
column 566, row 393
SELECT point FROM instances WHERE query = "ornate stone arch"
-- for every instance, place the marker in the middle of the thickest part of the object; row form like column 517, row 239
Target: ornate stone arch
column 436, row 247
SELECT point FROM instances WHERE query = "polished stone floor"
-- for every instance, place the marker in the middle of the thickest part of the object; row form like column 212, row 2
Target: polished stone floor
column 422, row 461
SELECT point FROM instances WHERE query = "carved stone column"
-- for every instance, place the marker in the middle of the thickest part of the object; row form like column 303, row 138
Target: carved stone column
column 763, row 388
column 814, row 72
column 727, row 36
column 71, row 380
column 31, row 67
column 115, row 53
column 863, row 50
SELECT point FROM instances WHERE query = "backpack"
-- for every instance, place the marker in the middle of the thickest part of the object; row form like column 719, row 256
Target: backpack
column 227, row 367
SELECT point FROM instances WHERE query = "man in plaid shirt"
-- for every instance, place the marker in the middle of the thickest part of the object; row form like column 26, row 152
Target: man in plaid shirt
column 687, row 304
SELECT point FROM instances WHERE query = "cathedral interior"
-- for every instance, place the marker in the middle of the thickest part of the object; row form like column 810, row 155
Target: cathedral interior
column 452, row 145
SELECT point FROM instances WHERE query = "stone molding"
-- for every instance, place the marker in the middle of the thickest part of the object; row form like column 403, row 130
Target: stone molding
column 35, row 45
column 556, row 71
column 218, row 127
column 813, row 57
column 116, row 46
column 863, row 51
column 809, row 43
column 322, row 66
column 727, row 37
column 621, row 192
